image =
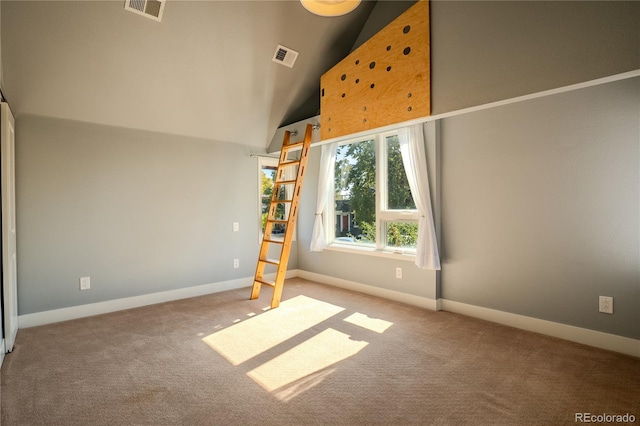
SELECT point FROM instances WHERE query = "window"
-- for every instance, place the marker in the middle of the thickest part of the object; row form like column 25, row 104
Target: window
column 267, row 168
column 372, row 202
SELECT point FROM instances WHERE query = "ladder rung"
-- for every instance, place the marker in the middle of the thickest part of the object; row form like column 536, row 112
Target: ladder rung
column 293, row 145
column 272, row 222
column 289, row 163
column 270, row 261
column 272, row 241
column 263, row 281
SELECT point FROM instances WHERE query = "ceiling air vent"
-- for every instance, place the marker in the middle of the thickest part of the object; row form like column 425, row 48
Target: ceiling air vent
column 150, row 8
column 285, row 56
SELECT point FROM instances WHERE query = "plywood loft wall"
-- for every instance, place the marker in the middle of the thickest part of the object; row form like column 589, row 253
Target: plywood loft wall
column 385, row 81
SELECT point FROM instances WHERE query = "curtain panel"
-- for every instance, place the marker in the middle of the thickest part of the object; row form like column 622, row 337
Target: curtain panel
column 414, row 159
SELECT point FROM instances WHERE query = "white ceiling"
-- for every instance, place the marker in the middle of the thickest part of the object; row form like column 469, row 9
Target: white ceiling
column 205, row 71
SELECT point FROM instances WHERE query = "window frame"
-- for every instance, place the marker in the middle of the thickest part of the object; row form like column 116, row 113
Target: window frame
column 383, row 213
column 265, row 161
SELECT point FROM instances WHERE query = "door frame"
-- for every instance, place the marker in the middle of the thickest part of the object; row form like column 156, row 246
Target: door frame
column 9, row 248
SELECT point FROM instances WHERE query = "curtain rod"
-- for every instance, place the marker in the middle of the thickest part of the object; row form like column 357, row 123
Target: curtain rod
column 252, row 155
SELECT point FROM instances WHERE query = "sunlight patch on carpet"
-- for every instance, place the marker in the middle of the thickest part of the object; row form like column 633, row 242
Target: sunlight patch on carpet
column 296, row 362
column 364, row 321
column 251, row 337
column 313, row 355
column 294, row 389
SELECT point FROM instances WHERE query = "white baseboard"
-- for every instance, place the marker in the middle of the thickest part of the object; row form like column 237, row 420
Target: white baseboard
column 74, row 312
column 409, row 299
column 584, row 336
column 571, row 333
column 3, row 350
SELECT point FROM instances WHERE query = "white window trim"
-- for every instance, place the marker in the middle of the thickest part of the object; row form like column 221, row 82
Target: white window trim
column 371, row 251
column 382, row 214
column 265, row 161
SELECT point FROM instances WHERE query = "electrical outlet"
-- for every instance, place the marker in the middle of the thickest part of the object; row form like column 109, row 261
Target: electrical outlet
column 236, row 226
column 236, row 263
column 399, row 273
column 605, row 304
column 85, row 283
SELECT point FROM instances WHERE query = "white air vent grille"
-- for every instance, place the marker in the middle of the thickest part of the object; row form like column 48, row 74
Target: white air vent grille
column 150, row 8
column 285, row 56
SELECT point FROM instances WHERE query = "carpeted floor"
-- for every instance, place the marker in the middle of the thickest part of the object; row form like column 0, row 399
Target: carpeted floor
column 325, row 357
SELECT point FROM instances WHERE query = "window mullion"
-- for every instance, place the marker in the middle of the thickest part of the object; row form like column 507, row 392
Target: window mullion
column 381, row 190
column 330, row 211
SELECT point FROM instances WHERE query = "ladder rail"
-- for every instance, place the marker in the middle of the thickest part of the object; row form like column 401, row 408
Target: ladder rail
column 289, row 222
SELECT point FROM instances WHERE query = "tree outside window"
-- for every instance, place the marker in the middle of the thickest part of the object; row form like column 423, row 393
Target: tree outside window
column 371, row 183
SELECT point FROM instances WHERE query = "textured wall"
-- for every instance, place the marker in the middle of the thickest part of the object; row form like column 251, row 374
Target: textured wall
column 541, row 208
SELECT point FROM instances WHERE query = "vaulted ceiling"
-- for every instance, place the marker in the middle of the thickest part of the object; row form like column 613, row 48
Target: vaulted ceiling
column 205, row 71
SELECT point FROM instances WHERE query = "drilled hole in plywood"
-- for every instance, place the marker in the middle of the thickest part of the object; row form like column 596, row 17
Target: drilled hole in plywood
column 372, row 65
column 409, row 109
column 388, row 48
column 388, row 68
column 406, row 29
column 344, row 94
column 357, row 80
column 343, row 77
column 372, row 85
column 406, row 50
column 357, row 61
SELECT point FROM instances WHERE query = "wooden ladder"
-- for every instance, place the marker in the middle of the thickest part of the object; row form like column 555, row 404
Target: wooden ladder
column 292, row 199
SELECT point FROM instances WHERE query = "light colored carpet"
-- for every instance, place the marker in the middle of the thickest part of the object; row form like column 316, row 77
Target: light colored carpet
column 325, row 357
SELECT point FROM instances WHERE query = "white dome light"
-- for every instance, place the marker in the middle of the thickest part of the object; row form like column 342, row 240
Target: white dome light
column 330, row 7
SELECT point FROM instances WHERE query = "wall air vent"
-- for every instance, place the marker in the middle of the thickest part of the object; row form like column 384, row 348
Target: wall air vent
column 150, row 8
column 285, row 56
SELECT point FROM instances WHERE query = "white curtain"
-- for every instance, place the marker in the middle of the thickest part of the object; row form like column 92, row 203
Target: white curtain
column 414, row 159
column 327, row 166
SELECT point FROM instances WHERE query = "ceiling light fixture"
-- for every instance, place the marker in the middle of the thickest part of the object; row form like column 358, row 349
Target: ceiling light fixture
column 330, row 7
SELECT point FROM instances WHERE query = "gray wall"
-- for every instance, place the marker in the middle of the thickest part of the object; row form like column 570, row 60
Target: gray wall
column 502, row 249
column 484, row 51
column 138, row 212
column 541, row 208
column 382, row 14
column 585, row 144
column 142, row 212
column 364, row 269
column 0, row 47
column 211, row 59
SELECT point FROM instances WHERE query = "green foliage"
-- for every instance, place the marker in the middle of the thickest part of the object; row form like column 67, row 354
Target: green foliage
column 359, row 178
column 267, row 193
column 368, row 232
column 401, row 234
column 341, row 173
column 399, row 195
column 267, row 185
column 355, row 175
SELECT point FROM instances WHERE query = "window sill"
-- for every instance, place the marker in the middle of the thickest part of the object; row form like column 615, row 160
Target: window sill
column 370, row 251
